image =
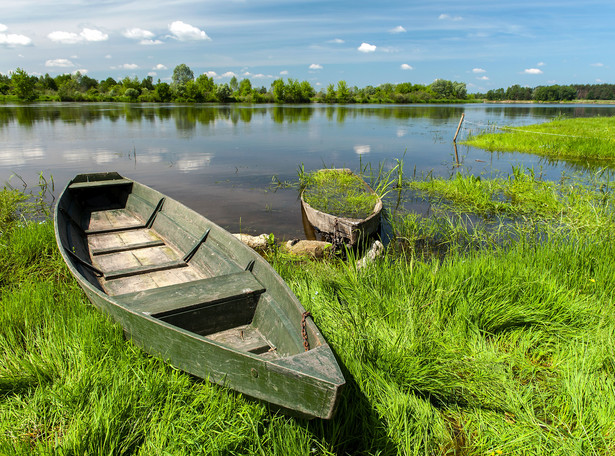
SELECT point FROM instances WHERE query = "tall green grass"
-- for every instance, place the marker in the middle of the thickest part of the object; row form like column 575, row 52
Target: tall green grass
column 501, row 348
column 579, row 138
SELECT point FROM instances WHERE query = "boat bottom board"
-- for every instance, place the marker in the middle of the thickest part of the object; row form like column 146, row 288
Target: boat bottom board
column 245, row 338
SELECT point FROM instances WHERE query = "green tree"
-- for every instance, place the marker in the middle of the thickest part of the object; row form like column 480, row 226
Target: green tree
column 443, row 88
column 245, row 87
column 234, row 85
column 132, row 94
column 278, row 88
column 162, row 92
column 223, row 92
column 206, row 86
column 48, row 83
column 147, row 83
column 182, row 74
column 307, row 91
column 342, row 93
column 106, row 85
column 331, row 96
column 23, row 85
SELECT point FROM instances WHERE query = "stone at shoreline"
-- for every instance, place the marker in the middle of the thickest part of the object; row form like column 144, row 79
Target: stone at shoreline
column 375, row 251
column 315, row 249
column 258, row 243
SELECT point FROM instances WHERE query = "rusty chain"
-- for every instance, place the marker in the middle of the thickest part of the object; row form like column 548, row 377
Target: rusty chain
column 306, row 344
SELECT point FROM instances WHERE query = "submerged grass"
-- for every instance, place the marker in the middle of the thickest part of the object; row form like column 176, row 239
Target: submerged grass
column 504, row 348
column 579, row 138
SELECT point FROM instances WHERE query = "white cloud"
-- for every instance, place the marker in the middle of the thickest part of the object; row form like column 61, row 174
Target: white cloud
column 152, row 74
column 366, row 47
column 405, row 66
column 64, row 37
column 72, row 38
column 361, row 149
column 336, row 41
column 447, row 17
column 229, row 74
column 315, row 66
column 211, row 74
column 483, row 78
column 12, row 39
column 284, row 72
column 129, row 66
column 138, row 34
column 160, row 66
column 187, row 32
column 93, row 35
column 532, row 71
column 541, row 63
column 62, row 63
column 108, row 56
column 398, row 29
column 478, row 70
column 81, row 71
column 150, row 42
column 597, row 64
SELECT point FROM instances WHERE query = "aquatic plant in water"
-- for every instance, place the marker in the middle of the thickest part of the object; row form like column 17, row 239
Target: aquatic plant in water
column 338, row 192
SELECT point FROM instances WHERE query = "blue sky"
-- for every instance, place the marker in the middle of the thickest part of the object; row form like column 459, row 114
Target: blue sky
column 486, row 44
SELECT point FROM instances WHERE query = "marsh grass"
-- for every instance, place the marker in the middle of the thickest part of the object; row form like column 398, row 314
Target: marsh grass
column 502, row 348
column 338, row 192
column 579, row 138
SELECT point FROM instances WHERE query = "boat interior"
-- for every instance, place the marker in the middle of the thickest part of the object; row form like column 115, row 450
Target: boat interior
column 152, row 255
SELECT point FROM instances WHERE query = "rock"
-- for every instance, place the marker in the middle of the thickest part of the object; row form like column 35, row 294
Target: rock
column 375, row 251
column 260, row 242
column 315, row 249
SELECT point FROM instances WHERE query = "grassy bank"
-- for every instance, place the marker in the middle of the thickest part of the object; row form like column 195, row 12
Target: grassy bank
column 577, row 139
column 500, row 346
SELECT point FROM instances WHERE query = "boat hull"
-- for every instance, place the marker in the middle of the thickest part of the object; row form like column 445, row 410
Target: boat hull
column 202, row 326
column 351, row 231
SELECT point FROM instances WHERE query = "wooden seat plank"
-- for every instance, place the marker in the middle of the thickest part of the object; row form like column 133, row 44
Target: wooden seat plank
column 102, row 183
column 163, row 300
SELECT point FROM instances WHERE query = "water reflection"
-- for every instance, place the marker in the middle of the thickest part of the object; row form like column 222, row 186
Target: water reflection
column 186, row 117
column 220, row 159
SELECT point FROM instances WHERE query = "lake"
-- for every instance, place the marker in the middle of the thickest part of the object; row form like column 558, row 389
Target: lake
column 222, row 160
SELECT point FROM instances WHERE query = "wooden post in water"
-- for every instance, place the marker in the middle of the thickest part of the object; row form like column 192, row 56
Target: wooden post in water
column 459, row 127
column 456, row 154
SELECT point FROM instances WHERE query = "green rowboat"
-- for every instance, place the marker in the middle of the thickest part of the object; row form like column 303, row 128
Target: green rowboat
column 189, row 292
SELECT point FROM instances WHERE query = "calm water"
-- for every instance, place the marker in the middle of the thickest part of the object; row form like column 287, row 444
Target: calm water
column 220, row 160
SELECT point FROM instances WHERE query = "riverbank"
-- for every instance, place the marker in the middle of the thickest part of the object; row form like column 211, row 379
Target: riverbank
column 487, row 335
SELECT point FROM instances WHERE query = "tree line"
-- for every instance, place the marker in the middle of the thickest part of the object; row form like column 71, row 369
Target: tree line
column 185, row 87
column 552, row 93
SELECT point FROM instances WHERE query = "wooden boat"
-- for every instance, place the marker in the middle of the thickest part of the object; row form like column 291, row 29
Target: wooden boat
column 189, row 292
column 349, row 230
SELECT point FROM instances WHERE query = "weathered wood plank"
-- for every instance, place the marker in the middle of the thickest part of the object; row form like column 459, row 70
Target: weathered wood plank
column 160, row 301
column 125, row 248
column 102, row 183
column 245, row 338
column 144, row 269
